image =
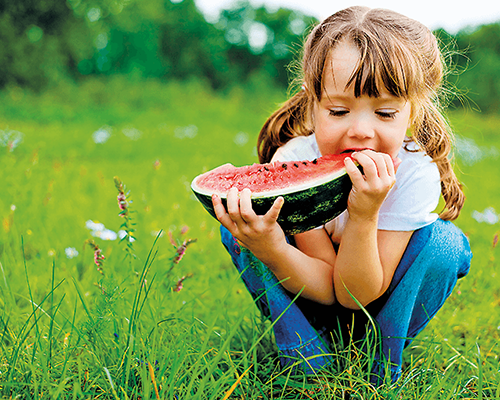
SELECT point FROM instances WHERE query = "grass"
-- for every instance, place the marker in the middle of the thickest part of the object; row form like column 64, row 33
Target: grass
column 67, row 331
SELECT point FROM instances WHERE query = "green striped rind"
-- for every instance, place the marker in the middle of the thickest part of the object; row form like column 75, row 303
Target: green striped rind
column 302, row 210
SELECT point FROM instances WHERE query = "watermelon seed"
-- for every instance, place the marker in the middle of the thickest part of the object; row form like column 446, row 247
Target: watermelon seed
column 284, row 166
column 315, row 161
column 267, row 169
column 304, row 162
column 296, row 165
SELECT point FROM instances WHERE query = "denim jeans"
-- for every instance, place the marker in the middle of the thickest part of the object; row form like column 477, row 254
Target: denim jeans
column 436, row 256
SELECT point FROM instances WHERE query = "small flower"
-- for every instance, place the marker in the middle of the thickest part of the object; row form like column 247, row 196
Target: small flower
column 10, row 139
column 157, row 165
column 71, row 252
column 181, row 250
column 489, row 215
column 121, row 198
column 99, row 230
column 102, row 134
column 495, row 240
column 98, row 256
column 179, row 285
column 122, row 201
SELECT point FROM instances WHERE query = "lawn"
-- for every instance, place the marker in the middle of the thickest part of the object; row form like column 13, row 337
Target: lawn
column 154, row 322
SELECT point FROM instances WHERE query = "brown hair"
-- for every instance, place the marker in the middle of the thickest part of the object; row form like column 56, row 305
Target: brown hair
column 396, row 51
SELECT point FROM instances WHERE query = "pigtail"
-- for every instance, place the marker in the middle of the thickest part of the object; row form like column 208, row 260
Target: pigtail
column 433, row 134
column 290, row 120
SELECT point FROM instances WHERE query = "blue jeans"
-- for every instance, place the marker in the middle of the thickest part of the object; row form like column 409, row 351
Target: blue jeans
column 306, row 331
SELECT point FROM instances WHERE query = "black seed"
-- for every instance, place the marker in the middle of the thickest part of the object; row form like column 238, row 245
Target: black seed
column 304, row 162
column 296, row 165
column 315, row 161
column 284, row 166
column 267, row 169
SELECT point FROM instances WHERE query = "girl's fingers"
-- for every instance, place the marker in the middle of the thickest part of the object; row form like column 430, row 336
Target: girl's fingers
column 370, row 168
column 233, row 204
column 385, row 166
column 273, row 213
column 353, row 172
column 397, row 163
column 376, row 164
column 221, row 213
column 246, row 210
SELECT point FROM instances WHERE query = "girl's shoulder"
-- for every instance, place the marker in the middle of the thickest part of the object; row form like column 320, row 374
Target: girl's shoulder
column 298, row 148
column 411, row 202
column 414, row 160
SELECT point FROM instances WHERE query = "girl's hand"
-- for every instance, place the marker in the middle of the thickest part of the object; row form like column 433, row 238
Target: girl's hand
column 256, row 232
column 370, row 188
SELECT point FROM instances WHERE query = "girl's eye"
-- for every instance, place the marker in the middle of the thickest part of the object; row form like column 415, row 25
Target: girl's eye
column 389, row 114
column 338, row 112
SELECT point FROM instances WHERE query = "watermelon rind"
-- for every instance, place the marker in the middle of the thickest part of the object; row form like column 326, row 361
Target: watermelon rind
column 305, row 207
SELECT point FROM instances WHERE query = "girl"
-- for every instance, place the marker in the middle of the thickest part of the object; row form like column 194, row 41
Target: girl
column 371, row 81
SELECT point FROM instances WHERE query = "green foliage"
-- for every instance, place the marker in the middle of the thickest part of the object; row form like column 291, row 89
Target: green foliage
column 46, row 42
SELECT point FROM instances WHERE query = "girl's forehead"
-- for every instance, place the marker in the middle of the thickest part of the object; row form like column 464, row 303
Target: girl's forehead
column 344, row 70
column 342, row 61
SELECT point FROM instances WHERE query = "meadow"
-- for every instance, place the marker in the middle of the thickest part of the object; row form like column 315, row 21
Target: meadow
column 162, row 313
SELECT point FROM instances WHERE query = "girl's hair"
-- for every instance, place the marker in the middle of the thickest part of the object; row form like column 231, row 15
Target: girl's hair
column 395, row 51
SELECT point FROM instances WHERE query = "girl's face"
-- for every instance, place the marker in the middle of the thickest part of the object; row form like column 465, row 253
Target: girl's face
column 346, row 123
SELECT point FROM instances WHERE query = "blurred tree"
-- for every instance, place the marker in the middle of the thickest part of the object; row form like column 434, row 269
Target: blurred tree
column 36, row 40
column 482, row 74
column 263, row 41
column 46, row 41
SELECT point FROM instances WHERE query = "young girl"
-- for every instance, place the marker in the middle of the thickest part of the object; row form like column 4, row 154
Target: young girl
column 371, row 82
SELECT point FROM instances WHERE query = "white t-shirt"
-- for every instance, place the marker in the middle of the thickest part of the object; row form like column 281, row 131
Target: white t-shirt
column 409, row 204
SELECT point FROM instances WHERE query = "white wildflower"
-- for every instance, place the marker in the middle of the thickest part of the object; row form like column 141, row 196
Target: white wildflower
column 98, row 229
column 189, row 132
column 102, row 134
column 132, row 133
column 71, row 252
column 241, row 138
column 489, row 216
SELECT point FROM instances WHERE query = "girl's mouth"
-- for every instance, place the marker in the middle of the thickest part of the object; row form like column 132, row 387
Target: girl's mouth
column 348, row 151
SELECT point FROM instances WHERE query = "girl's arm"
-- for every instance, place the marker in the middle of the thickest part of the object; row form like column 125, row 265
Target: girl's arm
column 366, row 259
column 263, row 236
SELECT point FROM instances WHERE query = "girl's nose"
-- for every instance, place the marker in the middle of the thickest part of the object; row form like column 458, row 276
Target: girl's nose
column 361, row 129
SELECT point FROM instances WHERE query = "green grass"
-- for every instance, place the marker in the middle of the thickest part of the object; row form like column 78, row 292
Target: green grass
column 66, row 331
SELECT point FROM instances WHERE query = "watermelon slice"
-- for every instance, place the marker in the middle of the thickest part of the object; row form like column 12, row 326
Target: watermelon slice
column 314, row 191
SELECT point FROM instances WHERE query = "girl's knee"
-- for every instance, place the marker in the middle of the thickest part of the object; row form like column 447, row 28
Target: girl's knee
column 447, row 250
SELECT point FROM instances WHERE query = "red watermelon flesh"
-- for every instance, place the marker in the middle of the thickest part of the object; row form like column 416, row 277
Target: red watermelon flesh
column 273, row 178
